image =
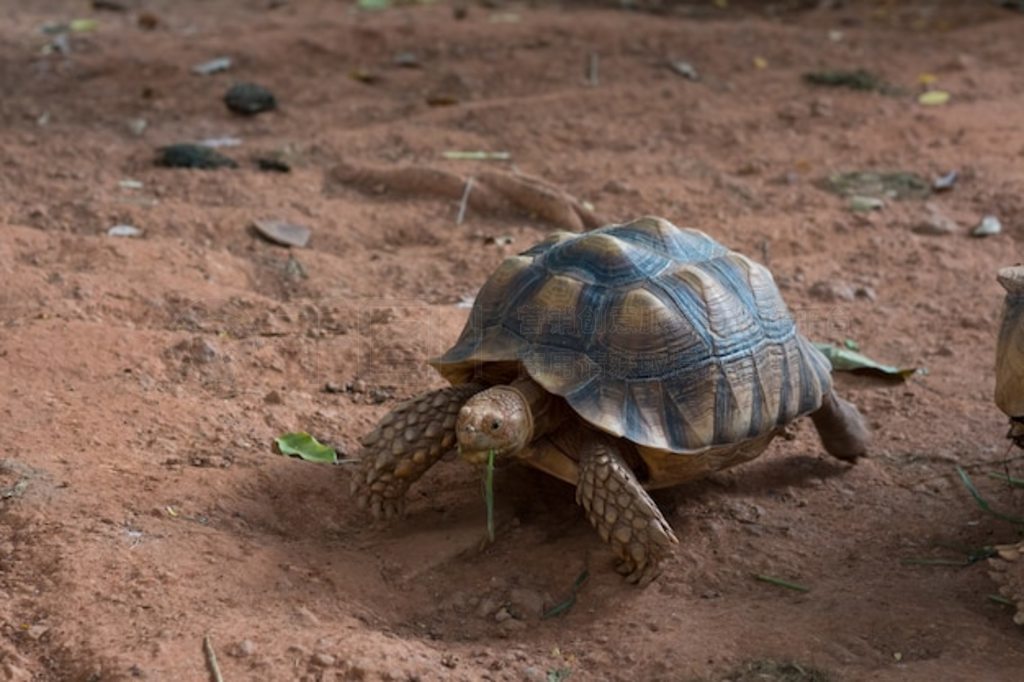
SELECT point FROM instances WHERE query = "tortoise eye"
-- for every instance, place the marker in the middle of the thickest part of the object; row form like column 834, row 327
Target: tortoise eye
column 495, row 424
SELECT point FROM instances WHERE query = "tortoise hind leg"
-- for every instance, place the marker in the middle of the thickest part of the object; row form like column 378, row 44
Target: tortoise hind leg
column 409, row 440
column 620, row 509
column 841, row 428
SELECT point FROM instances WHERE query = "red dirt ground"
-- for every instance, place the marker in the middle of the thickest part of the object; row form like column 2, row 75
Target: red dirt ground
column 144, row 380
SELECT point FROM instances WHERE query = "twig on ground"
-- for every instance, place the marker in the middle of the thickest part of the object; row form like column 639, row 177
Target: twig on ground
column 465, row 201
column 211, row 660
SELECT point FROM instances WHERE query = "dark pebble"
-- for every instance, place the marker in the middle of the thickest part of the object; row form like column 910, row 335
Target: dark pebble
column 274, row 165
column 192, row 156
column 249, row 99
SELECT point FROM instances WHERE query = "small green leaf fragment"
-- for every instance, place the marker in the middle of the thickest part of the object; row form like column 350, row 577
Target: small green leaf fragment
column 374, row 5
column 83, row 25
column 303, row 445
column 848, row 360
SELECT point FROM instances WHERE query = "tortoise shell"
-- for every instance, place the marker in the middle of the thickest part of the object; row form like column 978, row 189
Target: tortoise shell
column 653, row 333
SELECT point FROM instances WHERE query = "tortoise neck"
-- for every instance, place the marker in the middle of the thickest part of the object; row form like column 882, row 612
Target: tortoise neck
column 546, row 411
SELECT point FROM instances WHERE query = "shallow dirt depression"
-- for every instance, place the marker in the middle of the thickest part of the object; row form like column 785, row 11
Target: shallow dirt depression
column 143, row 380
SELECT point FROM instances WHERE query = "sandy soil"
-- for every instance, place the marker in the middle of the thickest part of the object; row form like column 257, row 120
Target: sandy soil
column 144, row 379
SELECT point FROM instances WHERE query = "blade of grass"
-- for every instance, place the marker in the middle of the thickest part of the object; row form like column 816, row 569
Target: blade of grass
column 934, row 562
column 1015, row 482
column 982, row 502
column 1000, row 600
column 489, row 494
column 782, row 583
column 562, row 607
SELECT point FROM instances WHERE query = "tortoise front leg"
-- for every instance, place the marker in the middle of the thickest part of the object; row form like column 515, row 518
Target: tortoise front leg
column 405, row 443
column 623, row 513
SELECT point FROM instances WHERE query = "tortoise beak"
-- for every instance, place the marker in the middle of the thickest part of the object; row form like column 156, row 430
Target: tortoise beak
column 475, row 457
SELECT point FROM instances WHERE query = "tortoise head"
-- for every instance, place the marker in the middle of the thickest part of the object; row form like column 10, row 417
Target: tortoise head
column 497, row 419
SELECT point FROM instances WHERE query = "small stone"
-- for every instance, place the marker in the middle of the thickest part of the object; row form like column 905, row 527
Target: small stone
column 945, row 182
column 936, row 223
column 526, row 603
column 534, row 674
column 124, row 231
column 273, row 398
column 862, row 204
column 323, row 660
column 273, row 165
column 408, row 60
column 249, row 99
column 37, row 631
column 512, row 625
column 193, row 156
column 198, row 350
column 213, row 66
column 137, row 126
column 243, row 649
column 331, row 387
column 829, row 290
column 988, row 226
column 148, row 21
column 306, row 617
column 502, row 615
column 488, row 605
column 684, row 69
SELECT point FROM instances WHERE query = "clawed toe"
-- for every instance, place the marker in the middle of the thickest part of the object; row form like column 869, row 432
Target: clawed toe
column 640, row 574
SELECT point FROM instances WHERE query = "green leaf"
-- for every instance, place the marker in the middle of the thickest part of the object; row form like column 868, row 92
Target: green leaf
column 848, row 360
column 83, row 25
column 374, row 5
column 303, row 445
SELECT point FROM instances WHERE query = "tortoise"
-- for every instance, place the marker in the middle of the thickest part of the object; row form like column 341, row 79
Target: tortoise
column 1009, row 393
column 628, row 358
